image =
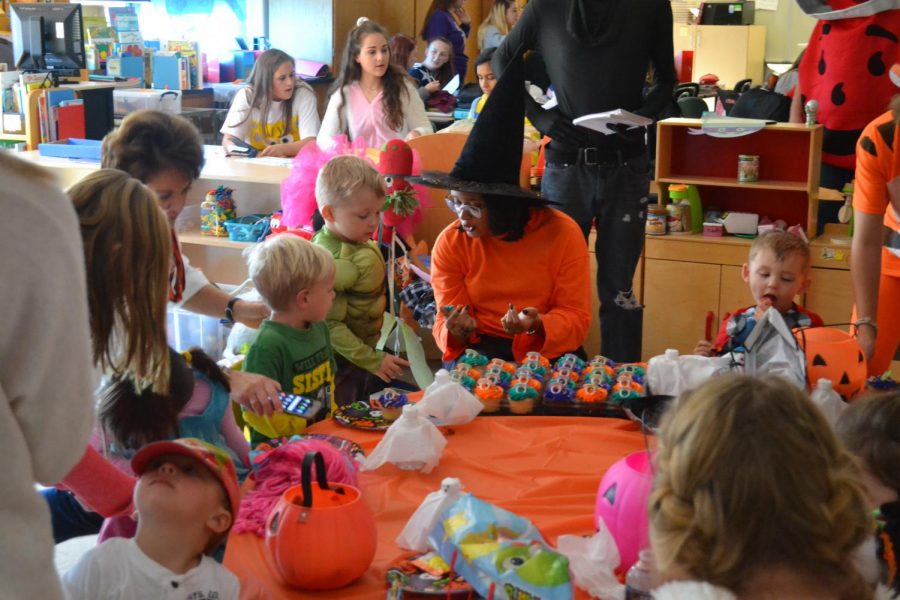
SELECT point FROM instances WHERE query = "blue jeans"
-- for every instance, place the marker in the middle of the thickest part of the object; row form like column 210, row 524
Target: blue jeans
column 70, row 519
column 612, row 196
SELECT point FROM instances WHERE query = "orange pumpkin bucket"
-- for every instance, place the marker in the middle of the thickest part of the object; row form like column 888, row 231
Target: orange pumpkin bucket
column 835, row 355
column 320, row 537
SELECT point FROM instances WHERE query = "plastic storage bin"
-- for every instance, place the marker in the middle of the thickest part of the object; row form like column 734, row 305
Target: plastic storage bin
column 187, row 330
column 130, row 100
column 71, row 148
column 249, row 228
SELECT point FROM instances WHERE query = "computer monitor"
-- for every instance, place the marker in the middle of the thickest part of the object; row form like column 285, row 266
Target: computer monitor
column 47, row 37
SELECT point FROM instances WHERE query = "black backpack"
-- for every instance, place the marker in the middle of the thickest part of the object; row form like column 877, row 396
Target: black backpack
column 762, row 104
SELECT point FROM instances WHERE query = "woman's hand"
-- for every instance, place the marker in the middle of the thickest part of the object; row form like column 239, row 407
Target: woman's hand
column 250, row 313
column 524, row 321
column 433, row 86
column 459, row 323
column 278, row 150
column 461, row 15
column 257, row 393
column 413, row 135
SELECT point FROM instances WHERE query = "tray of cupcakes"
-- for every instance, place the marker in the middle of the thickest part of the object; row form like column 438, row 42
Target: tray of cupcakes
column 568, row 386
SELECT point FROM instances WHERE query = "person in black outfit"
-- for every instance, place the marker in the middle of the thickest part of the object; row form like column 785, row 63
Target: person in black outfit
column 596, row 54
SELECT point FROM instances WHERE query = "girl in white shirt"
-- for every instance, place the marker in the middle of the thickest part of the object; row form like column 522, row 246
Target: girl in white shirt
column 372, row 98
column 291, row 118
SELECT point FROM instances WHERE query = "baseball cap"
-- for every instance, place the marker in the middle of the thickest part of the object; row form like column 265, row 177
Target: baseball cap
column 213, row 457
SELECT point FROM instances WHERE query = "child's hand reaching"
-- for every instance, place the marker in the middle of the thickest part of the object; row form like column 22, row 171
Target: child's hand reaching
column 433, row 86
column 528, row 319
column 704, row 348
column 391, row 367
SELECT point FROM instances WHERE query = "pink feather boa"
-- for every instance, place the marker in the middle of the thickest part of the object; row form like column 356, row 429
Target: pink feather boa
column 298, row 190
column 281, row 471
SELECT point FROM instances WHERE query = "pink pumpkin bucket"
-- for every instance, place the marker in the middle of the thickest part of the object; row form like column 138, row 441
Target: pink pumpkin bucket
column 622, row 504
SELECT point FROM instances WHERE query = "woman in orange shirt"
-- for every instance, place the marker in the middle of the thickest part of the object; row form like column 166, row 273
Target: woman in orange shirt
column 875, row 255
column 511, row 275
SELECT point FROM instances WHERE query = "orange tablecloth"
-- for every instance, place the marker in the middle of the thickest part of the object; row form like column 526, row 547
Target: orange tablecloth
column 546, row 469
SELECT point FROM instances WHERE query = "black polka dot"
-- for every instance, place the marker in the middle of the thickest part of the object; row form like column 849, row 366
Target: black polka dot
column 822, row 63
column 837, row 94
column 175, row 584
column 826, row 28
column 876, row 64
column 868, row 145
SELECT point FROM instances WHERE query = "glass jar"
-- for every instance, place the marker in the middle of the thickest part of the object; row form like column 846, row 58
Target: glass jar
column 656, row 219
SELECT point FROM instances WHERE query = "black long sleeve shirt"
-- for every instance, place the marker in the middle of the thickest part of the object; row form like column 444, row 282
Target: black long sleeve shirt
column 597, row 53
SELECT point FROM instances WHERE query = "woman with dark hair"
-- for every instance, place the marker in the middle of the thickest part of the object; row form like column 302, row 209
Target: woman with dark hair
column 511, row 275
column 372, row 98
column 449, row 19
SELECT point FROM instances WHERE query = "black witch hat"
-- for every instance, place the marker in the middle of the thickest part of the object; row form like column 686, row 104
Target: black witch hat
column 491, row 159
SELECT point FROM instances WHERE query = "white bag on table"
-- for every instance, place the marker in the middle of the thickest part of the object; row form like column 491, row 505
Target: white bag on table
column 415, row 534
column 448, row 403
column 412, row 442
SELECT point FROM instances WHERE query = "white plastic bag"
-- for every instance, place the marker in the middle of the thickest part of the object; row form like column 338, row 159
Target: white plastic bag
column 415, row 534
column 772, row 349
column 828, row 400
column 592, row 561
column 412, row 442
column 670, row 374
column 448, row 403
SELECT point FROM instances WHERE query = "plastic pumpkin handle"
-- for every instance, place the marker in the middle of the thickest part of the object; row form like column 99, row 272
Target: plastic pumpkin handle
column 321, row 477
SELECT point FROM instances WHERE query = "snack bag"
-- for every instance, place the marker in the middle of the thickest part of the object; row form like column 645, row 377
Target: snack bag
column 500, row 553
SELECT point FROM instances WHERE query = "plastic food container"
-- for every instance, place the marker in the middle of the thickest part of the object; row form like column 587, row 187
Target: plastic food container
column 713, row 229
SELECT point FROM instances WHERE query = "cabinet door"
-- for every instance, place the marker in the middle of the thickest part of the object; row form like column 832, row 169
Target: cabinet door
column 830, row 295
column 722, row 50
column 733, row 294
column 677, row 296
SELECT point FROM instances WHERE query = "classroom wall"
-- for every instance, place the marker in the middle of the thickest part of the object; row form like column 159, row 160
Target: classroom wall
column 317, row 29
column 787, row 31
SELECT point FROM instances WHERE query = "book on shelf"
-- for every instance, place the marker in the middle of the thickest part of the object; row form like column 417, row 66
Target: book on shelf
column 602, row 121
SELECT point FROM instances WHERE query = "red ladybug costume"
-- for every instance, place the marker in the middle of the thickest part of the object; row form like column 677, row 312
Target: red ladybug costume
column 845, row 68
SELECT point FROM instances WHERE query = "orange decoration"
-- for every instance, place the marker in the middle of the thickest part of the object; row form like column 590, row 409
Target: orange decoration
column 833, row 354
column 320, row 538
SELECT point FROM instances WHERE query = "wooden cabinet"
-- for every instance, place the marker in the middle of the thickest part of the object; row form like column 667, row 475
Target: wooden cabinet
column 688, row 276
column 732, row 52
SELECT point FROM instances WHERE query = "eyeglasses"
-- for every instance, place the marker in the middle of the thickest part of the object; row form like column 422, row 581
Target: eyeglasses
column 459, row 208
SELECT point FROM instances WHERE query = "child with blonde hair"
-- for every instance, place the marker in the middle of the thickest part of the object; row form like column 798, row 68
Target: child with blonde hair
column 777, row 270
column 754, row 497
column 350, row 196
column 296, row 279
column 870, row 428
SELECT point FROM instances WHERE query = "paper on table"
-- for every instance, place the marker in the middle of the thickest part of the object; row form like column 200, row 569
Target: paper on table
column 452, row 85
column 275, row 161
column 601, row 121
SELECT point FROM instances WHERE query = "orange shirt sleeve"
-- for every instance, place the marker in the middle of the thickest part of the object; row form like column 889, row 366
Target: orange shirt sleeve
column 873, row 166
column 449, row 288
